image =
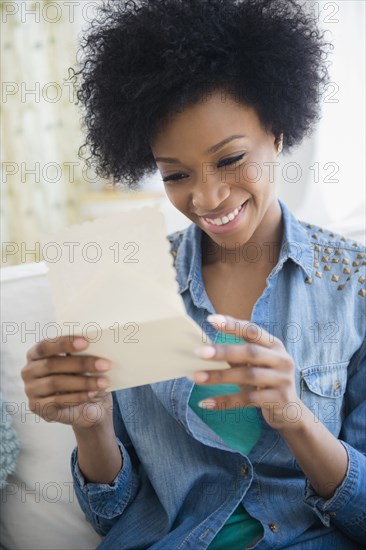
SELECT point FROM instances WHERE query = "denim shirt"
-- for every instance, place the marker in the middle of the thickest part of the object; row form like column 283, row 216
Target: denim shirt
column 180, row 482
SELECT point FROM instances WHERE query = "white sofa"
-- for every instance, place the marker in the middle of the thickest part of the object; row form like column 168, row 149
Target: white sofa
column 39, row 509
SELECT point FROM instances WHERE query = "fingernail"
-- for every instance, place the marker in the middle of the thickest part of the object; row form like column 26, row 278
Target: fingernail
column 102, row 364
column 102, row 383
column 207, row 403
column 92, row 393
column 205, row 352
column 200, row 376
column 79, row 343
column 218, row 319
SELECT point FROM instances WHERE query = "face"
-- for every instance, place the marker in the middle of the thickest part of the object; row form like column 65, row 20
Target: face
column 224, row 185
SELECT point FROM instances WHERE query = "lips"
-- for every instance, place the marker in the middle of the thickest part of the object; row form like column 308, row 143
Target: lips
column 222, row 220
column 224, row 224
column 222, row 213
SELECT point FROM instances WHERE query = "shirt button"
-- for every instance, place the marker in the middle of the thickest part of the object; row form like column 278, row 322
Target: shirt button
column 273, row 527
column 337, row 385
column 244, row 471
column 204, row 534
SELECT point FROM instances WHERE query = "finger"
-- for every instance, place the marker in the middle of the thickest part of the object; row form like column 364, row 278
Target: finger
column 50, row 408
column 53, row 385
column 253, row 354
column 64, row 365
column 62, row 344
column 246, row 375
column 246, row 330
column 246, row 398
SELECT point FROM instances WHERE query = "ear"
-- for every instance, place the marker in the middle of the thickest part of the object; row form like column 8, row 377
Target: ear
column 279, row 143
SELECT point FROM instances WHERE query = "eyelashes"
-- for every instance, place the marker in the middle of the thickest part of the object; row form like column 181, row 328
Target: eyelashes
column 225, row 162
column 230, row 160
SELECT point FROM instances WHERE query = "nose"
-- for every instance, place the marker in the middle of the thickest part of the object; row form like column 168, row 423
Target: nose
column 208, row 195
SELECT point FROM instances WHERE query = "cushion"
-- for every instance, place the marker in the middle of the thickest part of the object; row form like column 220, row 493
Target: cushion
column 39, row 507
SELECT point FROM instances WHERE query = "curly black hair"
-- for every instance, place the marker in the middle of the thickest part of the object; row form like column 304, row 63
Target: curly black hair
column 144, row 60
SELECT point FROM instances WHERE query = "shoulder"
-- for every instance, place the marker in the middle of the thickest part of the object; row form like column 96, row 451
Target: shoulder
column 337, row 258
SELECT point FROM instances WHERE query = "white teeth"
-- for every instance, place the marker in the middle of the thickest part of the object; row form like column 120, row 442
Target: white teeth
column 225, row 219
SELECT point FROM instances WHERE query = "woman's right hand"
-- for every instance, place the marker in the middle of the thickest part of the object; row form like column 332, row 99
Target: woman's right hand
column 57, row 388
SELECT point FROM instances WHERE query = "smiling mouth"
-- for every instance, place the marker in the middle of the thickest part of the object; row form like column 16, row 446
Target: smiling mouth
column 223, row 220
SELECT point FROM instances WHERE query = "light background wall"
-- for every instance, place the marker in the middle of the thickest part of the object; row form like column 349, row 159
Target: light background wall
column 45, row 185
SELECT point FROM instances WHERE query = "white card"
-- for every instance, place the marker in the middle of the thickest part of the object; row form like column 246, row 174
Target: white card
column 113, row 281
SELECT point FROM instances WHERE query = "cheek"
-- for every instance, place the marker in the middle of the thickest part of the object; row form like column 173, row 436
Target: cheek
column 176, row 197
column 259, row 174
column 252, row 173
column 251, row 177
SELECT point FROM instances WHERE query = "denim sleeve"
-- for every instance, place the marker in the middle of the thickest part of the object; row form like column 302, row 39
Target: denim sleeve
column 346, row 508
column 103, row 503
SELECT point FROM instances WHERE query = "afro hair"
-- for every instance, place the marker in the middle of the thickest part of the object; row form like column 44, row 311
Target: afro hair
column 142, row 61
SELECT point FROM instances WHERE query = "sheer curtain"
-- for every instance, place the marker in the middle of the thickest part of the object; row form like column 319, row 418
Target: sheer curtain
column 42, row 177
column 331, row 190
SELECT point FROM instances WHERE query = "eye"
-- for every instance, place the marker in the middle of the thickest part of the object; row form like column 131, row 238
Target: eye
column 225, row 162
column 173, row 178
column 230, row 160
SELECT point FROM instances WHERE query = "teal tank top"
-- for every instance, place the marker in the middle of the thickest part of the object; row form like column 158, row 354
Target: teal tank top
column 240, row 429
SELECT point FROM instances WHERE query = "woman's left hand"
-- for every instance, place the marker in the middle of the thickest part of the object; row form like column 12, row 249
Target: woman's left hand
column 262, row 368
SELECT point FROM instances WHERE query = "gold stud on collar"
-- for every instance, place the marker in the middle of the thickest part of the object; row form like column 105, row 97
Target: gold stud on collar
column 361, row 279
column 316, row 264
column 346, row 271
column 308, row 280
column 318, row 274
column 327, row 267
column 360, row 256
column 335, row 260
column 355, row 263
column 325, row 259
column 335, row 278
column 340, row 287
column 345, row 261
column 362, row 292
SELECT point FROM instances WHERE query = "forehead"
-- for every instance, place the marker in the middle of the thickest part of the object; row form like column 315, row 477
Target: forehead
column 209, row 120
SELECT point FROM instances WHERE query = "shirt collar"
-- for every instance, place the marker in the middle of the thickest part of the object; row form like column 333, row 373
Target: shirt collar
column 296, row 245
column 189, row 256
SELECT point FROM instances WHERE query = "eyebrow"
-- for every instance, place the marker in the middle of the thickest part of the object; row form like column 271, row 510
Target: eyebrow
column 212, row 149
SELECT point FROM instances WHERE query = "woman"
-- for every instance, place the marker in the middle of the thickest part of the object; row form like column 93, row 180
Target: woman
column 211, row 92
